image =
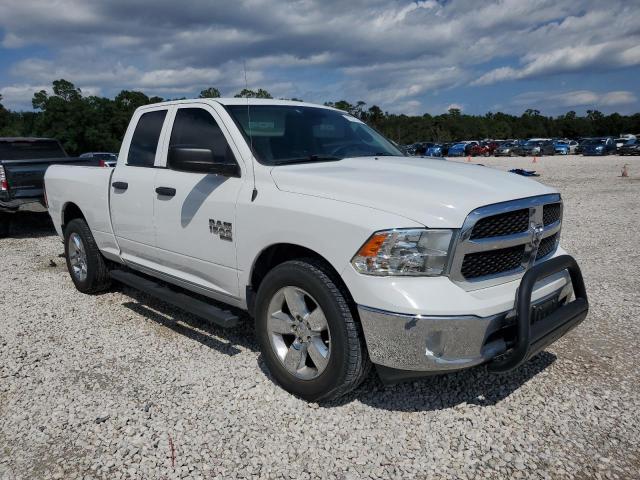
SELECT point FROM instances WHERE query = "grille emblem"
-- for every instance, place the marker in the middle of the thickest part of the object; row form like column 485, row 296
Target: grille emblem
column 535, row 237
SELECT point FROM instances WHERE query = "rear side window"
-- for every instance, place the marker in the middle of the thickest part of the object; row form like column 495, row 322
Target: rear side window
column 196, row 128
column 142, row 151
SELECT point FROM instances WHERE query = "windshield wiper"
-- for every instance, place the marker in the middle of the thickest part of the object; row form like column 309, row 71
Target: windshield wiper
column 309, row 159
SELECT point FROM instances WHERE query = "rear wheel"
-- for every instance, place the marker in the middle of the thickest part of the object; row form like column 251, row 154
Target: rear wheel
column 86, row 265
column 309, row 339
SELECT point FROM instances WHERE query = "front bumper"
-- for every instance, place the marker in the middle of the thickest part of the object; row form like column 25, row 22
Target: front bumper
column 437, row 344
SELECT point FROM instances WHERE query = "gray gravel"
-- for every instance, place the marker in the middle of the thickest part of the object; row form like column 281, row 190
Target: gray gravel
column 121, row 386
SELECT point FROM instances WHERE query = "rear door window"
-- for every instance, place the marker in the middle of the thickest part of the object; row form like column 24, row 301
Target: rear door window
column 144, row 143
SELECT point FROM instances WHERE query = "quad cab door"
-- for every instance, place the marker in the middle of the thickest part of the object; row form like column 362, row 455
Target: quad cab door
column 195, row 212
column 132, row 187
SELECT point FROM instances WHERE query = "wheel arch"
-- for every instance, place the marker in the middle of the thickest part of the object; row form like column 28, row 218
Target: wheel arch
column 70, row 211
column 278, row 253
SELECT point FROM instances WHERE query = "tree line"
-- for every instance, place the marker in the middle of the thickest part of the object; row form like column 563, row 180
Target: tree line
column 93, row 123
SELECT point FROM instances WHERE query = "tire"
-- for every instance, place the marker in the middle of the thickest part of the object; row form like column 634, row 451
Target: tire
column 346, row 363
column 5, row 224
column 87, row 267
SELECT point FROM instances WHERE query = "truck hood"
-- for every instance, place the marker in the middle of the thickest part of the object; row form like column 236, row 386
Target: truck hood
column 435, row 193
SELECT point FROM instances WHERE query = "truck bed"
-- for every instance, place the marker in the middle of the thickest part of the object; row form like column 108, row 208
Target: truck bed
column 88, row 188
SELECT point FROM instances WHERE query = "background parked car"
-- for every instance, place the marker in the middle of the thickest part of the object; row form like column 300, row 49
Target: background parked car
column 581, row 143
column 562, row 147
column 599, row 146
column 462, row 149
column 436, row 150
column 631, row 147
column 510, row 148
column 538, row 147
column 620, row 142
column 573, row 144
column 484, row 148
column 105, row 159
column 457, row 150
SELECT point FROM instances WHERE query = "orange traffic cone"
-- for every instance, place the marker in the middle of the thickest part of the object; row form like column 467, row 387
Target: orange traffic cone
column 625, row 171
column 535, row 159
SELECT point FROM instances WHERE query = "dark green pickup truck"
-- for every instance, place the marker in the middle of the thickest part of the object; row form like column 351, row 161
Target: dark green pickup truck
column 23, row 162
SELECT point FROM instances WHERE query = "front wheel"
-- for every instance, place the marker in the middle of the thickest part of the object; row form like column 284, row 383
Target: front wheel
column 309, row 338
column 86, row 265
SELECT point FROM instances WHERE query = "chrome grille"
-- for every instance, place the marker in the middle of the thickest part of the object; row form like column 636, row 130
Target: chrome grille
column 551, row 213
column 480, row 264
column 502, row 224
column 547, row 246
column 498, row 243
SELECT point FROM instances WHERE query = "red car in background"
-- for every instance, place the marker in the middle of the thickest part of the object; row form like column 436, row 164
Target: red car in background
column 484, row 149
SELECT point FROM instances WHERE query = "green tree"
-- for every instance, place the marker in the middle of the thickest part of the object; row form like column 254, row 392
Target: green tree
column 4, row 116
column 247, row 93
column 210, row 92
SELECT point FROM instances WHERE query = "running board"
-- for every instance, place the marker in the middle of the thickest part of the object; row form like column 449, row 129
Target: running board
column 211, row 313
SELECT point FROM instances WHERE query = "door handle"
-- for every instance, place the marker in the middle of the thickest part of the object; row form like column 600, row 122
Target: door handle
column 166, row 191
column 120, row 185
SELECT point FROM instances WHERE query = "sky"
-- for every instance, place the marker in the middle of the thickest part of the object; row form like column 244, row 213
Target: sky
column 406, row 57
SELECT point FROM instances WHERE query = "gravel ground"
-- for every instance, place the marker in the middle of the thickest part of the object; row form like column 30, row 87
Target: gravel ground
column 121, row 386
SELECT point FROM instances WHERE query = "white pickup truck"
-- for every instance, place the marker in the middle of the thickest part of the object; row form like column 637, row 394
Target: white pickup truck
column 345, row 252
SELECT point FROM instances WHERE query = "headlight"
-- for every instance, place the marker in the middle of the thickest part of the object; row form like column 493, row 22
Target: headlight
column 599, row 147
column 405, row 252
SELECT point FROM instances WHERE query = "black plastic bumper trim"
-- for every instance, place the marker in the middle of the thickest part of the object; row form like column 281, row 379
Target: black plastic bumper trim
column 533, row 338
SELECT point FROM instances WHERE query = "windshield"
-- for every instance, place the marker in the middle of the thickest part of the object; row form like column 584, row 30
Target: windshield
column 282, row 134
column 534, row 143
column 631, row 141
column 595, row 141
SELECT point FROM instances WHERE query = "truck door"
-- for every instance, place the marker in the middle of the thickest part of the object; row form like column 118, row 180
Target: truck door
column 195, row 212
column 132, row 189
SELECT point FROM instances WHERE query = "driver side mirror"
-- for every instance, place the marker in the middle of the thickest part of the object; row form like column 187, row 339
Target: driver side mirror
column 199, row 160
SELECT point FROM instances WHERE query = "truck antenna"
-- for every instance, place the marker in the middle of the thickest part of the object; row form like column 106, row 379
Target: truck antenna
column 254, row 194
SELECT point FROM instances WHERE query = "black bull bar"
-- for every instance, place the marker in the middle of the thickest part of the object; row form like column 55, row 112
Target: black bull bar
column 532, row 338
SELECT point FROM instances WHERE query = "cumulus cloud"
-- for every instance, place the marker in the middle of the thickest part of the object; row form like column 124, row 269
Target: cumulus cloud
column 560, row 101
column 390, row 53
column 601, row 56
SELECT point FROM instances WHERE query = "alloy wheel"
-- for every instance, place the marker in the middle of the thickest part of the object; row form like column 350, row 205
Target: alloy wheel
column 77, row 257
column 298, row 332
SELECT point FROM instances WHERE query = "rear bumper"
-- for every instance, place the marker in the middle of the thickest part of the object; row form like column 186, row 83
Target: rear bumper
column 22, row 204
column 437, row 344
